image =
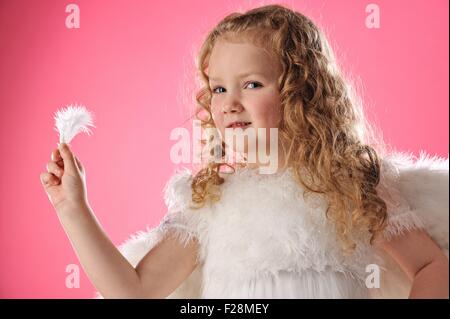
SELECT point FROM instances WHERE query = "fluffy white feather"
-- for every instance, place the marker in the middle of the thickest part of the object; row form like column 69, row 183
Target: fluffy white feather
column 72, row 120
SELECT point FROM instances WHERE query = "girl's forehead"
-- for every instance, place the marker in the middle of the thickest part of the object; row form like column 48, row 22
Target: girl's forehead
column 227, row 56
column 244, row 46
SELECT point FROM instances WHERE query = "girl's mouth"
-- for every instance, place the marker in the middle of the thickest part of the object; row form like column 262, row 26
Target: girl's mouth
column 239, row 124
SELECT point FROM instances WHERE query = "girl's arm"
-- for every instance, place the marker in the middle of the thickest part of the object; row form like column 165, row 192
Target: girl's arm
column 111, row 274
column 160, row 271
column 158, row 274
column 423, row 262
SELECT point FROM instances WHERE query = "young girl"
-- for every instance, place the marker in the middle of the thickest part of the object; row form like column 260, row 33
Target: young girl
column 322, row 225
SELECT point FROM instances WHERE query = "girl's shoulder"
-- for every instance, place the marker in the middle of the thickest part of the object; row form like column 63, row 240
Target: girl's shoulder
column 178, row 190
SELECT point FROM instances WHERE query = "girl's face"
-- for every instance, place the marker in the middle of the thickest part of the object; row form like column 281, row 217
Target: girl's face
column 243, row 79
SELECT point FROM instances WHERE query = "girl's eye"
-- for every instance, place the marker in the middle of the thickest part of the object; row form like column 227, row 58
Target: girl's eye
column 256, row 83
column 214, row 91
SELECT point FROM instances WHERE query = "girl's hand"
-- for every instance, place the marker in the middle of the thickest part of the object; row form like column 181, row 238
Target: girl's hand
column 65, row 180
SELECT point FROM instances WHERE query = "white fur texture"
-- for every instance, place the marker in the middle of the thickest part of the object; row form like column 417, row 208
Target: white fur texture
column 263, row 240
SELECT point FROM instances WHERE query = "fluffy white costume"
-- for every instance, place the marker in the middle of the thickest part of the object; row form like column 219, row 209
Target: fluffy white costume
column 264, row 240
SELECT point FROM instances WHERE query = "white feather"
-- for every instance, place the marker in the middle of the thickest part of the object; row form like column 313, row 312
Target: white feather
column 72, row 120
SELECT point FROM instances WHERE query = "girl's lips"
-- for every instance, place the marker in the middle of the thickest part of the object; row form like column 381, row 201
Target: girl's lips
column 239, row 124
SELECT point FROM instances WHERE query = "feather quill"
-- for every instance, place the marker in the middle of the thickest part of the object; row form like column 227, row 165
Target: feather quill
column 72, row 120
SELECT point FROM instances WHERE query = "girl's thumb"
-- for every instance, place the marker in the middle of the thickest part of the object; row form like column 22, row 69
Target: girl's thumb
column 68, row 158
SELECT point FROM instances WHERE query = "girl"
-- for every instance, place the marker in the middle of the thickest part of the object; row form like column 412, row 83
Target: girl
column 322, row 225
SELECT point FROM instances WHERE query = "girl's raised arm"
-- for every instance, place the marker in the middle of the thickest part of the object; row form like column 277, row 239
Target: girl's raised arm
column 161, row 270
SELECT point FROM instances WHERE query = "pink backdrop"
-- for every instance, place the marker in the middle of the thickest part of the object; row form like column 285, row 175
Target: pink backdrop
column 130, row 62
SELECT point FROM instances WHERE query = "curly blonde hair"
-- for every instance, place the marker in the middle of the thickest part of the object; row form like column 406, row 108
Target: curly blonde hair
column 322, row 127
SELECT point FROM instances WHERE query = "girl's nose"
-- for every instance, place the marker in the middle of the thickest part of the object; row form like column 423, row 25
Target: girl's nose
column 232, row 107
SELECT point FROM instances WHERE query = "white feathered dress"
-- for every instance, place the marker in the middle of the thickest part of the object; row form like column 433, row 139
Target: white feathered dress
column 264, row 240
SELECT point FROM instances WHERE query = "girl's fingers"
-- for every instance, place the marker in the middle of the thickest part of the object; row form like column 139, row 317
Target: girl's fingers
column 56, row 157
column 48, row 179
column 80, row 166
column 69, row 160
column 55, row 169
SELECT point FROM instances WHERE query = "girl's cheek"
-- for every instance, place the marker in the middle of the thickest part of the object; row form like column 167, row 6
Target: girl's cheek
column 271, row 103
column 267, row 115
column 217, row 117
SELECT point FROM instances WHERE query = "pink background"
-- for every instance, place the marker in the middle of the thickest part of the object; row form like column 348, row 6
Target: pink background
column 131, row 64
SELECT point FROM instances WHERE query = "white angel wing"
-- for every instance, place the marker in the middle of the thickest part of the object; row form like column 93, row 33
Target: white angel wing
column 424, row 184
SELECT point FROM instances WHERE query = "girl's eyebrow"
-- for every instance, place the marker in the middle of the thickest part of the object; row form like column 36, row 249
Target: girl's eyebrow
column 242, row 75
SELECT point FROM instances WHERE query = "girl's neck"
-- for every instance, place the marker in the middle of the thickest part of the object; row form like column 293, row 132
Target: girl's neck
column 269, row 168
